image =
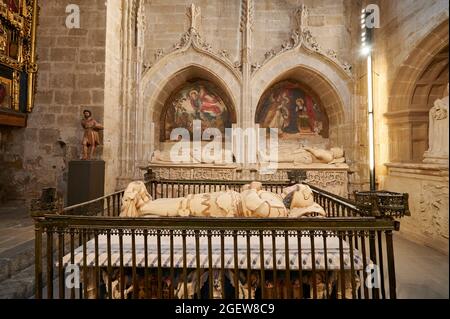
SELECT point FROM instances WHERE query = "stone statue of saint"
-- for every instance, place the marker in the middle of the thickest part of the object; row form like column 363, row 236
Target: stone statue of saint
column 438, row 132
column 91, row 137
column 252, row 201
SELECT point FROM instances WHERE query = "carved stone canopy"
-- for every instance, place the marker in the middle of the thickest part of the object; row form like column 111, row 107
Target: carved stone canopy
column 301, row 37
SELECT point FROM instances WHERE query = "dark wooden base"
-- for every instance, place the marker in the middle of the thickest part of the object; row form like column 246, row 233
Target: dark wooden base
column 86, row 181
column 11, row 118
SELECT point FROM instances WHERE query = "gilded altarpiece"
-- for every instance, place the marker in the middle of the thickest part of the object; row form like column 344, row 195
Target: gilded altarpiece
column 18, row 23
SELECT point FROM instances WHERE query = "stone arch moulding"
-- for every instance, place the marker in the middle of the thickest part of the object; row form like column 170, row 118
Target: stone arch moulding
column 191, row 41
column 409, row 101
column 160, row 82
column 332, row 85
column 414, row 66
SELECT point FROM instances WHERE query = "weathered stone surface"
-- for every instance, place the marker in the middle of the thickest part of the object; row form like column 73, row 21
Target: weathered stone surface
column 81, row 97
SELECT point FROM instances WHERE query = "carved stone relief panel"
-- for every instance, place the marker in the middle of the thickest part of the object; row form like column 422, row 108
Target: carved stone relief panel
column 333, row 181
column 433, row 204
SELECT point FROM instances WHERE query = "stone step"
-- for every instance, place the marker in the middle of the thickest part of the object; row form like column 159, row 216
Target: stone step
column 16, row 259
column 18, row 286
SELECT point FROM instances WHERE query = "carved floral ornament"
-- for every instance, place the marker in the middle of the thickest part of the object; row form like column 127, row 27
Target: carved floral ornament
column 301, row 38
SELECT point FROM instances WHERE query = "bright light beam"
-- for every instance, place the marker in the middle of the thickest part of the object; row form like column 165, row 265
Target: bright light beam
column 371, row 122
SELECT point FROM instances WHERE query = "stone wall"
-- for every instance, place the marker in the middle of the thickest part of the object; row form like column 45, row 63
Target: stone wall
column 167, row 21
column 412, row 34
column 327, row 21
column 83, row 68
column 404, row 25
column 273, row 21
column 427, row 186
column 71, row 77
column 105, row 66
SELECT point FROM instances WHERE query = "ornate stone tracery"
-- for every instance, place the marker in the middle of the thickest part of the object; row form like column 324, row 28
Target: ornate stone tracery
column 193, row 38
column 301, row 38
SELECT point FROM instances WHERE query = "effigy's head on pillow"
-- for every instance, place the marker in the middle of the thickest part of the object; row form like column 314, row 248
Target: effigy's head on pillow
column 134, row 197
column 253, row 185
column 299, row 199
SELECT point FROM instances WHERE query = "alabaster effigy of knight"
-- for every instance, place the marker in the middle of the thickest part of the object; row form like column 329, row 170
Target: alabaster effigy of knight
column 252, row 201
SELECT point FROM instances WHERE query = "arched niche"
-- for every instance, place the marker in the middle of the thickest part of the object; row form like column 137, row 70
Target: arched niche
column 294, row 109
column 421, row 79
column 331, row 86
column 196, row 99
column 160, row 82
column 432, row 83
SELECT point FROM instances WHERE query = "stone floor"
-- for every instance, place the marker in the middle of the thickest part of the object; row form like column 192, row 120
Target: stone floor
column 16, row 252
column 421, row 271
column 16, row 226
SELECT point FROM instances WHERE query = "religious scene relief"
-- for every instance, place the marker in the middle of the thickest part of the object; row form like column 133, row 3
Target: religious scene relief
column 288, row 107
column 199, row 100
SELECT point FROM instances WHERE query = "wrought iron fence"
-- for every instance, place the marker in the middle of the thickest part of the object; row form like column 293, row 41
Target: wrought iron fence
column 346, row 255
column 171, row 257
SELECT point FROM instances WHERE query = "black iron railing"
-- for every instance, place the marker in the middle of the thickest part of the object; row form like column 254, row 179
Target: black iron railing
column 334, row 257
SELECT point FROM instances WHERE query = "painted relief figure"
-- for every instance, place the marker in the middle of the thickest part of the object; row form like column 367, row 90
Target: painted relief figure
column 5, row 93
column 196, row 101
column 91, row 137
column 294, row 112
column 3, row 39
column 13, row 39
column 13, row 5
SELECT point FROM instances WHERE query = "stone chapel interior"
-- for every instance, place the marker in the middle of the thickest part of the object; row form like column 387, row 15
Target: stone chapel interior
column 293, row 69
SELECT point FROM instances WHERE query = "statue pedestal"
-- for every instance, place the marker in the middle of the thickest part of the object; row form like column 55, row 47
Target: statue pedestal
column 86, row 181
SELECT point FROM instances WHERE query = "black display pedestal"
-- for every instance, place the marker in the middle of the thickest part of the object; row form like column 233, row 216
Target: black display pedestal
column 86, row 181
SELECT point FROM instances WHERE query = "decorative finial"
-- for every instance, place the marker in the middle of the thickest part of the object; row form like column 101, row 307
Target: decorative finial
column 247, row 15
column 302, row 16
column 194, row 13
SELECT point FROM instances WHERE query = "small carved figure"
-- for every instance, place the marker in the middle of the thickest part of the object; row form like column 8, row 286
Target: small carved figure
column 91, row 137
column 3, row 39
column 438, row 132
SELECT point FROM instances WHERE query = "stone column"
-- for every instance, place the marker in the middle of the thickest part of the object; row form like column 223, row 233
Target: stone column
column 246, row 29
